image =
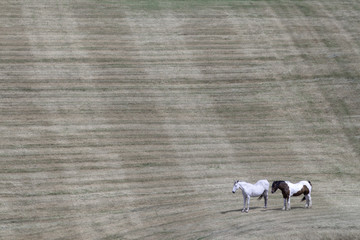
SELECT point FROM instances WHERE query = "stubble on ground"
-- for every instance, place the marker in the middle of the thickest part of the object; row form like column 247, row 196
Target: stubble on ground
column 130, row 120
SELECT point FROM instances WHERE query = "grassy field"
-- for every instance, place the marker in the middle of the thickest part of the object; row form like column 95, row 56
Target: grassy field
column 132, row 119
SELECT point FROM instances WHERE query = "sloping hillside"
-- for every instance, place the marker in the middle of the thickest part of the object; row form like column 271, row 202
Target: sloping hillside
column 132, row 119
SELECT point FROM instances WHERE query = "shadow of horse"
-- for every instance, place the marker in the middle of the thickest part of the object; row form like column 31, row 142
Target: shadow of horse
column 280, row 209
column 239, row 210
column 263, row 209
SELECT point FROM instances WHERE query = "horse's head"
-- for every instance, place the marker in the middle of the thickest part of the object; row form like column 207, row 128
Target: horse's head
column 236, row 186
column 275, row 186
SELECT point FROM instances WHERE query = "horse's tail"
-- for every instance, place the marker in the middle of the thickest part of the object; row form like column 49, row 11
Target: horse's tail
column 262, row 195
column 304, row 198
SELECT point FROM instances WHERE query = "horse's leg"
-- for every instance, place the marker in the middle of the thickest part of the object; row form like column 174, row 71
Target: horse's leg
column 248, row 203
column 288, row 208
column 284, row 208
column 244, row 202
column 307, row 201
column 266, row 196
column 310, row 202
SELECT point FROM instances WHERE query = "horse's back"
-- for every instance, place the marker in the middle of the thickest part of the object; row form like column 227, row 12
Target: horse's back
column 264, row 183
column 296, row 187
column 307, row 184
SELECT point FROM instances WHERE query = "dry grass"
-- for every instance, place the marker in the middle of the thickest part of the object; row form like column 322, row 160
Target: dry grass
column 131, row 119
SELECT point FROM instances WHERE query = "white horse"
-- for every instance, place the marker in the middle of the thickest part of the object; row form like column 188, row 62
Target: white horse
column 289, row 189
column 259, row 189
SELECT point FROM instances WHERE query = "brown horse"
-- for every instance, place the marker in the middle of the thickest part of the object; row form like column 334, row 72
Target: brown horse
column 289, row 189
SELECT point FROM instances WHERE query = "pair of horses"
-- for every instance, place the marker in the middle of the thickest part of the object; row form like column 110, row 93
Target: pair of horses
column 261, row 189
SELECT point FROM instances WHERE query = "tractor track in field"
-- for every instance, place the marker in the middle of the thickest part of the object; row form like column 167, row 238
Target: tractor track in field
column 131, row 119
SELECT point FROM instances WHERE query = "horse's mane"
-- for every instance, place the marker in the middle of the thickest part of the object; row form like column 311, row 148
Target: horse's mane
column 277, row 183
column 283, row 186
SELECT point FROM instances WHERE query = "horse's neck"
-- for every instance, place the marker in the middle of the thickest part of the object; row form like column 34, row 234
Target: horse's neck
column 242, row 186
column 283, row 186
